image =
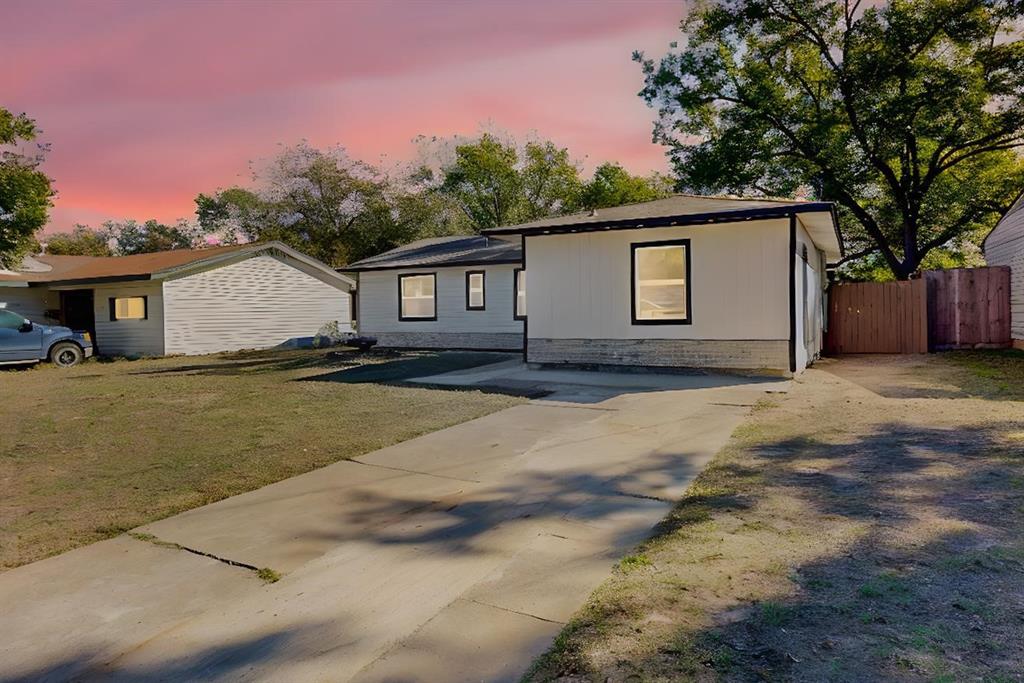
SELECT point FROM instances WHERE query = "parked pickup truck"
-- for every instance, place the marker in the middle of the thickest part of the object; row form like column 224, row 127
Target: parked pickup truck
column 23, row 341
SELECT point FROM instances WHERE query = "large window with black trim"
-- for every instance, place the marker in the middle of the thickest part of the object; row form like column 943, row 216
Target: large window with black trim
column 417, row 298
column 128, row 308
column 520, row 294
column 661, row 283
column 475, row 297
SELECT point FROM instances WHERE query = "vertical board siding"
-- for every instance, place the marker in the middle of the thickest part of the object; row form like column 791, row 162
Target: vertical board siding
column 878, row 317
column 129, row 337
column 378, row 303
column 256, row 303
column 969, row 307
column 579, row 285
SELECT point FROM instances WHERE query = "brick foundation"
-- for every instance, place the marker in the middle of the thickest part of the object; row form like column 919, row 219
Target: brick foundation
column 746, row 355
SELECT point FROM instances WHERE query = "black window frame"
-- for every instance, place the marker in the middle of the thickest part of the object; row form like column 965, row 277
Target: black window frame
column 112, row 303
column 483, row 290
column 633, row 247
column 416, row 319
column 515, row 294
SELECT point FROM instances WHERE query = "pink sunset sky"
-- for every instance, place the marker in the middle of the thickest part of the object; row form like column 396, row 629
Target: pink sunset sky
column 147, row 104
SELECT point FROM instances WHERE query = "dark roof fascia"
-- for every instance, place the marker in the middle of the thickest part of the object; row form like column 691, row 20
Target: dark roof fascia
column 731, row 216
column 429, row 264
column 97, row 280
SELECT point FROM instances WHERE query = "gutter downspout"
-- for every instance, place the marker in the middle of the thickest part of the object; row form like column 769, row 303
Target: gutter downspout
column 792, row 293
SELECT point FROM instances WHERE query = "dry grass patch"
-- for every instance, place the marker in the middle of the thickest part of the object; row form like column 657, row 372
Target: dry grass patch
column 91, row 452
column 841, row 535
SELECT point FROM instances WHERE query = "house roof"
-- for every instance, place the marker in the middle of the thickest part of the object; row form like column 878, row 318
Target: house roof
column 66, row 270
column 1018, row 205
column 683, row 209
column 458, row 250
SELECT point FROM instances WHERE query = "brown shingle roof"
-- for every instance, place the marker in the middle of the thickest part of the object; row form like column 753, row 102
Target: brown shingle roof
column 83, row 268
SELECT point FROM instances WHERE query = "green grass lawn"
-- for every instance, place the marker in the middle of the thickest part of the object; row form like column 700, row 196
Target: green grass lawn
column 866, row 526
column 91, row 452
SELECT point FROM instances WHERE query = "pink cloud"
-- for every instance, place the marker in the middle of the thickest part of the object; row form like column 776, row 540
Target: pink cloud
column 148, row 104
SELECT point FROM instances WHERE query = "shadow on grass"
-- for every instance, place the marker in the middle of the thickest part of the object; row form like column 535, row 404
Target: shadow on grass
column 341, row 365
column 411, row 365
column 931, row 590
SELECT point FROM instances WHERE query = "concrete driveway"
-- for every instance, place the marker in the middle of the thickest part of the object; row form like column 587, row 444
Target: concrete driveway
column 456, row 556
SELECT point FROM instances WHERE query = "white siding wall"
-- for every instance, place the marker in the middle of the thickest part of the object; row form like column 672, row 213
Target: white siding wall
column 378, row 303
column 1005, row 247
column 129, row 337
column 579, row 285
column 255, row 303
column 31, row 302
column 809, row 348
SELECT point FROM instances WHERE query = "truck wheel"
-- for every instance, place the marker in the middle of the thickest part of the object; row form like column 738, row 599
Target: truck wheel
column 66, row 354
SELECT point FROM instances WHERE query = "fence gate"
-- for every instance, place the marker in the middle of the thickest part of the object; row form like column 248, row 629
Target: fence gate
column 968, row 308
column 878, row 317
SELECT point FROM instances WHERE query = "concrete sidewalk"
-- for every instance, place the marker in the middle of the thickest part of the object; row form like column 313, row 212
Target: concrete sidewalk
column 454, row 556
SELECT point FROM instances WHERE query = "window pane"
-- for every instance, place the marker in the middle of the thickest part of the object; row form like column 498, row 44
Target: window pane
column 661, row 283
column 10, row 320
column 130, row 308
column 418, row 296
column 520, row 293
column 476, row 290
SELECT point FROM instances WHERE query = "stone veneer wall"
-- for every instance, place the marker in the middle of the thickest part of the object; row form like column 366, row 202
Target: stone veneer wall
column 772, row 355
column 510, row 341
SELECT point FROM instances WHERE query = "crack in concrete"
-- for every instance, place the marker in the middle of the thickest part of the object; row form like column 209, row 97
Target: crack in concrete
column 425, row 474
column 514, row 611
column 265, row 573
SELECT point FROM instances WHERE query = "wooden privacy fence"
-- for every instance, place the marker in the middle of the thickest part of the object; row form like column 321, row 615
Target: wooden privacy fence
column 945, row 309
column 878, row 317
column 968, row 308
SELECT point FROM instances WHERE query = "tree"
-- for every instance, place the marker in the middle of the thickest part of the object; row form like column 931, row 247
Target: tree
column 25, row 191
column 496, row 183
column 908, row 115
column 612, row 185
column 328, row 205
column 129, row 237
column 81, row 241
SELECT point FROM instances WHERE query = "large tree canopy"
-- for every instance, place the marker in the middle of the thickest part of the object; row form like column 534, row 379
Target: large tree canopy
column 612, row 185
column 909, row 115
column 497, row 181
column 81, row 241
column 25, row 192
column 328, row 205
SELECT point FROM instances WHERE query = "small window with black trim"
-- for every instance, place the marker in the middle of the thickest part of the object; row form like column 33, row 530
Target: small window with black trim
column 661, row 283
column 128, row 308
column 520, row 294
column 475, row 296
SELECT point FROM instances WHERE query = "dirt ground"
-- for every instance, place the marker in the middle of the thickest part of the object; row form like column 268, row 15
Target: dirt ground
column 866, row 526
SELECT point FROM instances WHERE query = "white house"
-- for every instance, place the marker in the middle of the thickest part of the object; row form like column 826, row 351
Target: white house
column 183, row 301
column 443, row 293
column 1004, row 246
column 686, row 281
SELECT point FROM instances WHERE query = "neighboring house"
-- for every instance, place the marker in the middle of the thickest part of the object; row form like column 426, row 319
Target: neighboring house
column 183, row 301
column 1004, row 246
column 443, row 293
column 685, row 281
